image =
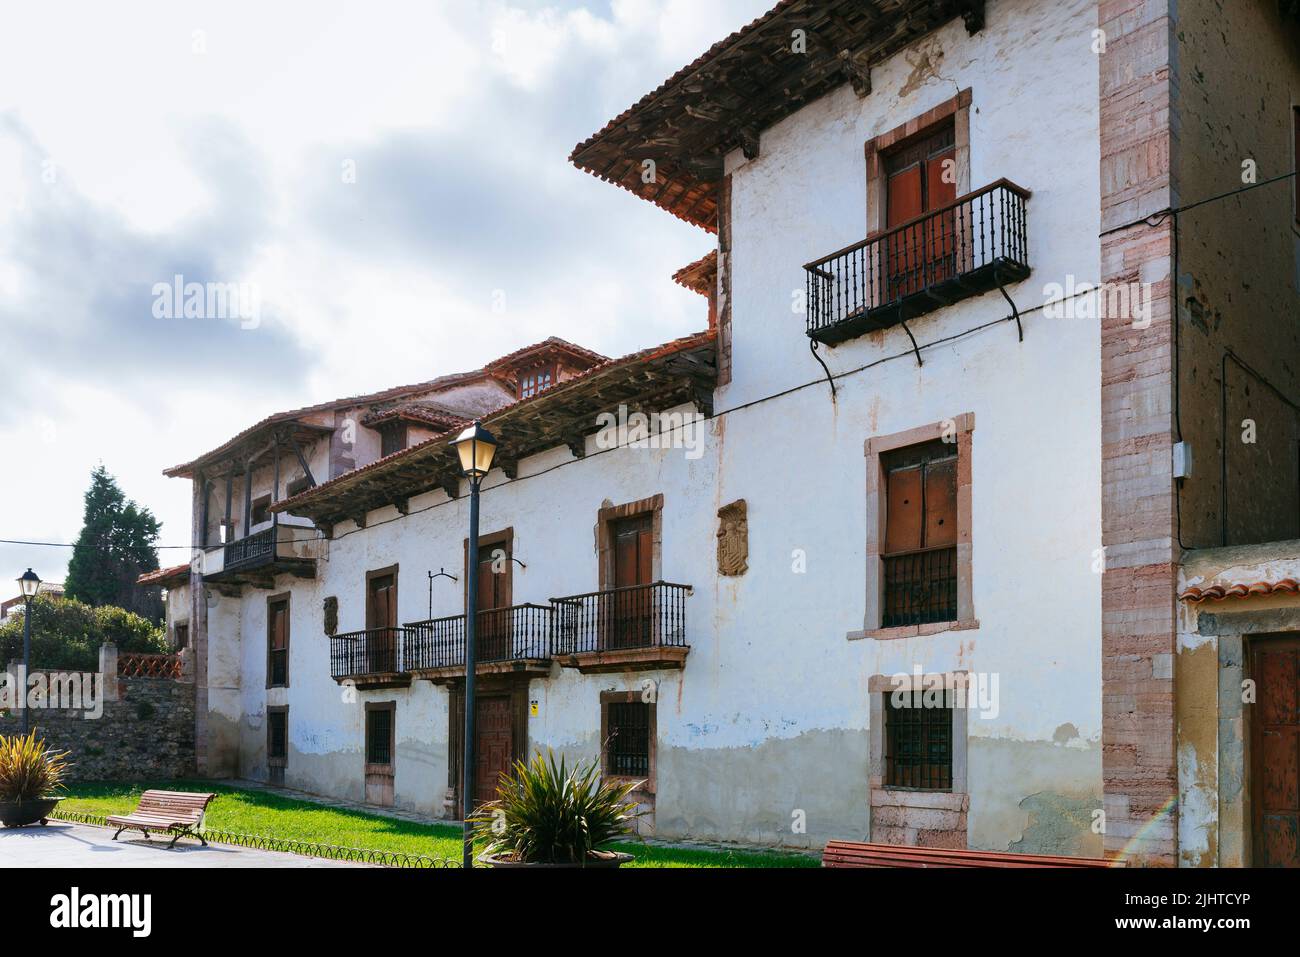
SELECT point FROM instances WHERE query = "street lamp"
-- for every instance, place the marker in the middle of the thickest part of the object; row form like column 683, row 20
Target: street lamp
column 29, row 584
column 476, row 447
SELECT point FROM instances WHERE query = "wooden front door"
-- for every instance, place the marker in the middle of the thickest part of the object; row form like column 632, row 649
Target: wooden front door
column 920, row 178
column 494, row 744
column 632, row 619
column 1275, row 749
column 381, row 622
column 492, row 637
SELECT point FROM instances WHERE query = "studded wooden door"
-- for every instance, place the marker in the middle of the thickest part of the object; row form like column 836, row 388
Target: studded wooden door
column 1275, row 746
column 494, row 744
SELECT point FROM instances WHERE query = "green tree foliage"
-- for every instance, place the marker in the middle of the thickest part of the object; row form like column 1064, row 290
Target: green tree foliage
column 115, row 547
column 66, row 634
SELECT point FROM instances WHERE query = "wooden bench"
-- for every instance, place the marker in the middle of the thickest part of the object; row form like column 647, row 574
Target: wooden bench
column 175, row 812
column 853, row 854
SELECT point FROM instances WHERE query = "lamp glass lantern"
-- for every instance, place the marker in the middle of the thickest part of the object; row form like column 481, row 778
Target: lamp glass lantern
column 29, row 583
column 476, row 447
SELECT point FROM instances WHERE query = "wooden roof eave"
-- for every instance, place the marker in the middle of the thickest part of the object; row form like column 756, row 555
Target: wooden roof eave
column 552, row 420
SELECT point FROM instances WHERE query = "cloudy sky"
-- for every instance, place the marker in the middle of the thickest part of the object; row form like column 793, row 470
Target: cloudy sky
column 391, row 179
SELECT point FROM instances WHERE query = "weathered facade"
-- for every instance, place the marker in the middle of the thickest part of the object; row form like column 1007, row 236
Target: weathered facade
column 969, row 481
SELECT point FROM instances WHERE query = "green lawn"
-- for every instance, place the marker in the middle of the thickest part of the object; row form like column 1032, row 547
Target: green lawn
column 266, row 813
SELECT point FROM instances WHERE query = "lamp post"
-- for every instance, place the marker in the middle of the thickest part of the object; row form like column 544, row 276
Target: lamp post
column 476, row 447
column 30, row 583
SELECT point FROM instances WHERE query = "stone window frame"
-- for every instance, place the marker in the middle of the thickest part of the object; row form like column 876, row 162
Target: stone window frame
column 961, row 427
column 277, row 761
column 629, row 697
column 957, row 109
column 372, row 707
column 286, row 599
column 912, row 810
column 605, row 519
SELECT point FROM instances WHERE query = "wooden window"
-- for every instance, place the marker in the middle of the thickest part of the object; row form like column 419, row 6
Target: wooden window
column 297, row 487
column 380, row 733
column 918, row 746
column 537, row 380
column 920, row 177
column 495, row 585
column 277, row 642
column 392, row 438
column 381, row 621
column 627, row 725
column 182, row 633
column 262, row 510
column 277, row 736
column 920, row 551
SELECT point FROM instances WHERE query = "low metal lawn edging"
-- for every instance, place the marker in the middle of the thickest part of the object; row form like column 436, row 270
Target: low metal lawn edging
column 333, row 852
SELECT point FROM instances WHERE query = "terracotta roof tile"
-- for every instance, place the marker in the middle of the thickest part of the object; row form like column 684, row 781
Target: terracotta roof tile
column 165, row 576
column 1219, row 592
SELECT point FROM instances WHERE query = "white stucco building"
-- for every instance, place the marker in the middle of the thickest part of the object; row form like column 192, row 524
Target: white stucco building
column 725, row 610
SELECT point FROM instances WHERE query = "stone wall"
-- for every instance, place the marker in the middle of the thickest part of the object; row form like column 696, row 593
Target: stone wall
column 146, row 731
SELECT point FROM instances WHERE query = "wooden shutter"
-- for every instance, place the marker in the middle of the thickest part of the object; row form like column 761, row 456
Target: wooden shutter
column 903, row 504
column 279, row 626
column 905, row 199
column 940, row 503
column 381, row 609
column 633, row 551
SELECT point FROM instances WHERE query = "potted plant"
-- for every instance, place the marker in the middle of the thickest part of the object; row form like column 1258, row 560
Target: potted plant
column 547, row 816
column 29, row 774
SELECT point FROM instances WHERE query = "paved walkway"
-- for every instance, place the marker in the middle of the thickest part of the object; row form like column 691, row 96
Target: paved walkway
column 60, row 844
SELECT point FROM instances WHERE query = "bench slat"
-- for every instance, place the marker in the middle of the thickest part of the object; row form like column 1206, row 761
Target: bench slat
column 856, row 854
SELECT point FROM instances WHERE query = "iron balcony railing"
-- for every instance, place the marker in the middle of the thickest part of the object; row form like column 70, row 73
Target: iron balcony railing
column 518, row 633
column 635, row 616
column 375, row 651
column 973, row 244
column 920, row 587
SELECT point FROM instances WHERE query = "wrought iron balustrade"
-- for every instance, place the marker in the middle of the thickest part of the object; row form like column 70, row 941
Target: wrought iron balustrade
column 635, row 616
column 976, row 243
column 375, row 651
column 517, row 633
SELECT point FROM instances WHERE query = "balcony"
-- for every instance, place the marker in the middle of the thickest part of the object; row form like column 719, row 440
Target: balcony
column 968, row 247
column 369, row 659
column 515, row 640
column 639, row 627
column 256, row 559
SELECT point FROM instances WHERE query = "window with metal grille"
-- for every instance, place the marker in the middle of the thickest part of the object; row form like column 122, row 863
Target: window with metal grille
column 277, row 734
column 920, row 554
column 379, row 736
column 627, row 751
column 918, row 746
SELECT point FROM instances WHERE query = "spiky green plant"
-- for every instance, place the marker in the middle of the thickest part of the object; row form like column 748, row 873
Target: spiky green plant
column 28, row 769
column 546, row 814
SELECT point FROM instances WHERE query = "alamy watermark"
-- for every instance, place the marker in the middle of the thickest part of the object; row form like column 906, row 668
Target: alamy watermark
column 1108, row 300
column 52, row 690
column 179, row 299
column 654, row 430
column 976, row 691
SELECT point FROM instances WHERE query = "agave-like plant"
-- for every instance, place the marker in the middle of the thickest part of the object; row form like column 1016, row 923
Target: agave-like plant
column 28, row 769
column 546, row 814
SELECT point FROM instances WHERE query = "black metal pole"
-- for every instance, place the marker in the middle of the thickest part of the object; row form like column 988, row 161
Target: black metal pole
column 27, row 662
column 471, row 613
